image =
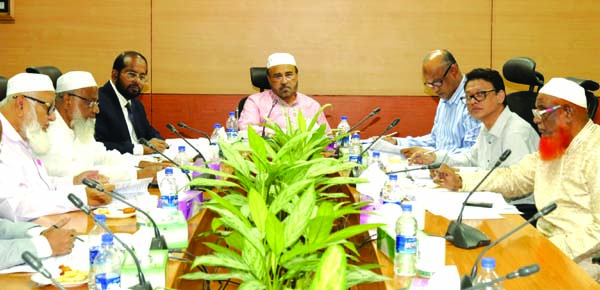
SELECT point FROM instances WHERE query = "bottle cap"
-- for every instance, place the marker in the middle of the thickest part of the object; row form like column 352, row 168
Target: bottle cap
column 169, row 170
column 393, row 177
column 376, row 154
column 488, row 262
column 345, row 118
column 406, row 207
column 181, row 148
column 217, row 126
column 107, row 238
column 231, row 114
column 355, row 136
column 100, row 218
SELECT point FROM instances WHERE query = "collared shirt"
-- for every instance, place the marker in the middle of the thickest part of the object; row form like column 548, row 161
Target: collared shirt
column 69, row 156
column 138, row 149
column 572, row 181
column 508, row 132
column 27, row 192
column 264, row 105
column 18, row 237
column 454, row 129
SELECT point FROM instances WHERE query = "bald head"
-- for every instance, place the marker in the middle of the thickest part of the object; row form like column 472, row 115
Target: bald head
column 441, row 73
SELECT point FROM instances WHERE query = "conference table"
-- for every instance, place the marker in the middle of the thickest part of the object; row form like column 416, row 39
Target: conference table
column 525, row 247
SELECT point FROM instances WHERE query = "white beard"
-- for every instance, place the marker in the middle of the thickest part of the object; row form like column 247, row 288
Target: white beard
column 38, row 140
column 83, row 128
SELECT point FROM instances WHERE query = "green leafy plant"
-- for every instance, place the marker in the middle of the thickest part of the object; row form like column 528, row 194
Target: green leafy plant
column 278, row 213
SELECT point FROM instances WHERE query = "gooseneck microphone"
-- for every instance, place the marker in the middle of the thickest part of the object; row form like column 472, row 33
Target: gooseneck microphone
column 544, row 211
column 143, row 285
column 369, row 116
column 392, row 125
column 158, row 242
column 183, row 125
column 464, row 236
column 268, row 115
column 521, row 272
column 37, row 265
column 424, row 167
column 174, row 130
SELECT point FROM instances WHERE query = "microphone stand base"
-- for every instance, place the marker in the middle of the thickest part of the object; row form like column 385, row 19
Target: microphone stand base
column 466, row 237
column 145, row 286
column 466, row 282
column 158, row 244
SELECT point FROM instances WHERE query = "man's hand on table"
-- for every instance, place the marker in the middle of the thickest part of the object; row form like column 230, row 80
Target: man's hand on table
column 447, row 177
column 97, row 198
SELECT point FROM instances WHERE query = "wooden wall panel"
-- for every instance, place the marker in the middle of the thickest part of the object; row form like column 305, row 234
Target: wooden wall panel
column 342, row 47
column 202, row 111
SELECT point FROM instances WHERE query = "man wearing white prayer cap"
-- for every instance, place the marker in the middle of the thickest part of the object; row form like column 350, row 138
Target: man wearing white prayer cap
column 27, row 190
column 73, row 147
column 283, row 101
column 565, row 170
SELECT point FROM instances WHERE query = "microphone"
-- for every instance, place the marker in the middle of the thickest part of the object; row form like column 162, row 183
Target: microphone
column 268, row 115
column 37, row 265
column 521, row 272
column 158, row 242
column 143, row 285
column 373, row 113
column 424, row 167
column 174, row 130
column 183, row 125
column 544, row 211
column 464, row 236
column 392, row 125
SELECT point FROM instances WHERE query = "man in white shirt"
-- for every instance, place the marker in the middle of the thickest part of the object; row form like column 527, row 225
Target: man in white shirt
column 27, row 190
column 73, row 147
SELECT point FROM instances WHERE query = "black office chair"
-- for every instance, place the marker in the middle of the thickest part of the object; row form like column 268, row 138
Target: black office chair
column 3, row 82
column 589, row 86
column 521, row 70
column 258, row 77
column 53, row 72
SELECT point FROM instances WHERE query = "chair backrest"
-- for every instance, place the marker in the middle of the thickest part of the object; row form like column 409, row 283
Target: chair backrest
column 589, row 86
column 3, row 82
column 258, row 77
column 521, row 70
column 53, row 72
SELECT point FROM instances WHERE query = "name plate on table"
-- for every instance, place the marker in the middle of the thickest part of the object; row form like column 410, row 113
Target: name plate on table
column 154, row 268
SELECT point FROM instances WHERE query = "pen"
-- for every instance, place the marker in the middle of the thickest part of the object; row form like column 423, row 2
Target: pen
column 78, row 238
column 480, row 204
column 430, row 151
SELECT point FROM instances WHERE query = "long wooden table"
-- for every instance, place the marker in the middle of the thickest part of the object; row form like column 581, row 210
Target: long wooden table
column 526, row 247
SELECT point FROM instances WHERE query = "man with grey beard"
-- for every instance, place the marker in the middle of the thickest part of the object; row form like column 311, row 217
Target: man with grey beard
column 27, row 190
column 73, row 147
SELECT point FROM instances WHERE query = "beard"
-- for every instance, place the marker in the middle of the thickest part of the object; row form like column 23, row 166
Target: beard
column 555, row 145
column 38, row 140
column 130, row 92
column 84, row 129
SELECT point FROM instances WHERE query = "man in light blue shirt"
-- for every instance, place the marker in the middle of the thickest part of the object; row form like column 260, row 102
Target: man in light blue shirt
column 454, row 129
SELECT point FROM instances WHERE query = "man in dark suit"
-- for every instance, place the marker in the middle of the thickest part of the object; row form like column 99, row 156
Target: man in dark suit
column 122, row 119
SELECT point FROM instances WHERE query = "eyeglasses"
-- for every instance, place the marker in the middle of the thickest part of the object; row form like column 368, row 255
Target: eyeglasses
column 478, row 96
column 132, row 76
column 288, row 76
column 91, row 103
column 544, row 113
column 439, row 82
column 50, row 106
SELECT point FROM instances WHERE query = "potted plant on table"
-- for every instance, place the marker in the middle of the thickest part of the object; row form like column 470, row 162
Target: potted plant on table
column 278, row 214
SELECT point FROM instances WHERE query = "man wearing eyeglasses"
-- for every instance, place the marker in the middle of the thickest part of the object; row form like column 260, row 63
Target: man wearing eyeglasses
column 122, row 120
column 73, row 147
column 565, row 170
column 27, row 190
column 283, row 101
column 453, row 128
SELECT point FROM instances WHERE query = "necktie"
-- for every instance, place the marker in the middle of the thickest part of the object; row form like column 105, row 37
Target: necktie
column 129, row 107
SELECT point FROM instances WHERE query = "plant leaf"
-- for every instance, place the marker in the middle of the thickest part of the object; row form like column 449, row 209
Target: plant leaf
column 331, row 274
column 258, row 209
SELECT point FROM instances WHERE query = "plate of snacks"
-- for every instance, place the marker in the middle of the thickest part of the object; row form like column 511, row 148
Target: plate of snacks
column 115, row 213
column 64, row 275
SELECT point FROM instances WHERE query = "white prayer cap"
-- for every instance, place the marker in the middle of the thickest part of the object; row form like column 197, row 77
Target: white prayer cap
column 74, row 80
column 566, row 90
column 280, row 58
column 28, row 82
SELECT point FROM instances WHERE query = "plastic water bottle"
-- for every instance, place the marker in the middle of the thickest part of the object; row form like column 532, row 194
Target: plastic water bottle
column 95, row 242
column 231, row 127
column 214, row 141
column 182, row 158
column 343, row 127
column 391, row 190
column 405, row 259
column 356, row 148
column 376, row 159
column 107, row 266
column 168, row 191
column 488, row 273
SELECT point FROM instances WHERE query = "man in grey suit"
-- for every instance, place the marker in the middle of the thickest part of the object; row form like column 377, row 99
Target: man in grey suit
column 18, row 237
